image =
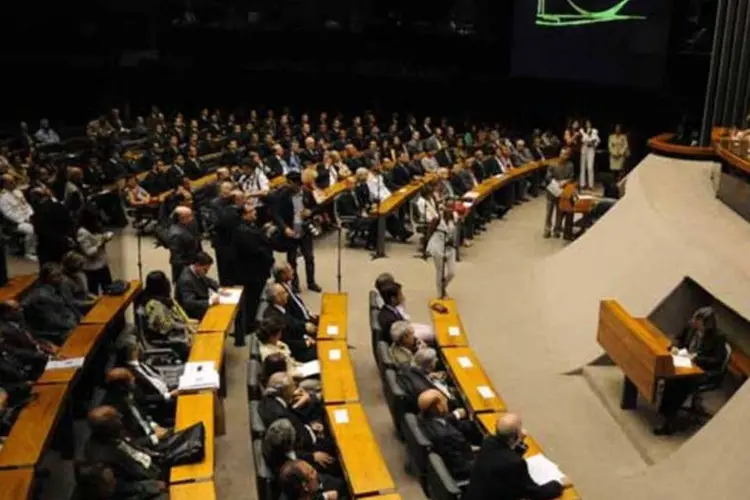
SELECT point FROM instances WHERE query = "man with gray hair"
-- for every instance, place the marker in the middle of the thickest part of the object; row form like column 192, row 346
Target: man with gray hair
column 405, row 344
column 282, row 399
column 500, row 472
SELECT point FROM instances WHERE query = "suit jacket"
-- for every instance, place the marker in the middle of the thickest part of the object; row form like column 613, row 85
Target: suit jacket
column 445, row 158
column 50, row 313
column 275, row 167
column 711, row 353
column 386, row 317
column 193, row 168
column 294, row 333
column 184, row 244
column 296, row 306
column 480, row 171
column 272, row 409
column 450, row 443
column 500, row 473
column 192, row 292
column 157, row 182
column 125, row 467
column 254, row 254
column 282, row 207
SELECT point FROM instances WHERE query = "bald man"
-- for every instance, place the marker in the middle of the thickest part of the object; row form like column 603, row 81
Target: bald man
column 109, row 446
column 449, row 432
column 183, row 240
column 501, row 473
column 226, row 219
column 298, row 333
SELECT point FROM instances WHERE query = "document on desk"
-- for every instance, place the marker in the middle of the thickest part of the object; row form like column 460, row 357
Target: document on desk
column 485, row 392
column 341, row 416
column 454, row 331
column 680, row 361
column 543, row 470
column 334, row 354
column 199, row 380
column 61, row 364
column 464, row 362
column 332, row 330
column 309, row 369
column 230, row 296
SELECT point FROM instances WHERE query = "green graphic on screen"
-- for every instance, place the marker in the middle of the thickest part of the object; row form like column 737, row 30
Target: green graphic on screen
column 568, row 13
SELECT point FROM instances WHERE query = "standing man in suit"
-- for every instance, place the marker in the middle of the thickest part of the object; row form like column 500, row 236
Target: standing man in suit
column 561, row 173
column 254, row 258
column 183, row 239
column 226, row 219
column 447, row 431
column 501, row 473
column 290, row 207
column 194, row 290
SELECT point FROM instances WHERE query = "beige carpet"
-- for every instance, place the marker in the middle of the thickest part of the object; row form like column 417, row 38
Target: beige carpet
column 530, row 306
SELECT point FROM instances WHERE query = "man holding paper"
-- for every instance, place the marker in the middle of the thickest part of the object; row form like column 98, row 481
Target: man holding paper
column 558, row 174
column 501, row 473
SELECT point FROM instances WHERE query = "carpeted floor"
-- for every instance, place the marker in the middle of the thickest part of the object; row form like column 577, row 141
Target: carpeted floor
column 529, row 306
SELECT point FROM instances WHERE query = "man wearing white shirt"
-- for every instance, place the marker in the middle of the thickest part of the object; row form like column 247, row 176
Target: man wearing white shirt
column 589, row 143
column 16, row 209
column 429, row 162
column 45, row 135
column 375, row 183
column 253, row 181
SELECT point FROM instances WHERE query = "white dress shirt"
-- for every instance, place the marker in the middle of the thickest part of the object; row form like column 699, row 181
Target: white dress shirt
column 14, row 206
column 378, row 191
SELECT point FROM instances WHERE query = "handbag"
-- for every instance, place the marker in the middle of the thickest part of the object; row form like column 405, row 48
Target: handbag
column 187, row 446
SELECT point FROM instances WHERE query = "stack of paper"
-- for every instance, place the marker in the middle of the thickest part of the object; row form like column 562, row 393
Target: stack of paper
column 198, row 376
column 309, row 369
column 61, row 364
column 230, row 296
column 682, row 359
column 542, row 470
column 422, row 330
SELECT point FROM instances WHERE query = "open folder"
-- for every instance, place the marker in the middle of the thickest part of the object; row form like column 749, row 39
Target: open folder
column 543, row 470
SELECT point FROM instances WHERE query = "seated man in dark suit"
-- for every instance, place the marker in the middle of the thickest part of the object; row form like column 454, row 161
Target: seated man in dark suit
column 393, row 297
column 298, row 333
column 422, row 375
column 195, row 291
column 283, row 399
column 501, row 473
column 283, row 274
column 110, row 446
column 15, row 333
column 450, row 433
column 299, row 481
column 353, row 207
column 95, row 481
column 137, row 417
column 50, row 314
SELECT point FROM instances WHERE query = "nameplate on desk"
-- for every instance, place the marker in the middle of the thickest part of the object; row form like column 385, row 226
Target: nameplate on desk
column 485, row 392
column 332, row 330
column 500, row 176
column 454, row 331
column 341, row 416
column 230, row 296
column 471, row 195
column 402, row 190
column 62, row 364
column 464, row 362
column 334, row 354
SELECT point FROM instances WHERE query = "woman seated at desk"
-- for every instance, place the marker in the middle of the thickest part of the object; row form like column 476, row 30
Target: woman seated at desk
column 166, row 324
column 707, row 348
column 269, row 335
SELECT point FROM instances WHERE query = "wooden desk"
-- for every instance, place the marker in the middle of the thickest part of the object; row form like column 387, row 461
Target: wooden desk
column 469, row 379
column 445, row 324
column 17, row 286
column 205, row 490
column 337, row 372
column 34, row 427
column 82, row 341
column 391, row 496
column 583, row 205
column 193, row 408
column 16, row 484
column 219, row 318
column 361, row 459
column 391, row 204
column 639, row 348
column 487, row 423
column 109, row 307
column 333, row 313
column 195, row 185
column 733, row 159
column 661, row 144
column 208, row 347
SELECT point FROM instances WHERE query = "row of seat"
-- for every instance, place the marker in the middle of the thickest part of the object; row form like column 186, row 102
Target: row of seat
column 48, row 418
column 366, row 472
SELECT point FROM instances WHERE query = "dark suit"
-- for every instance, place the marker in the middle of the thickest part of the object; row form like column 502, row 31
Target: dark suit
column 294, row 333
column 125, row 468
column 386, row 317
column 53, row 226
column 445, row 158
column 50, row 314
column 450, row 443
column 310, row 156
column 500, row 473
column 251, row 269
column 282, row 210
column 193, row 168
column 184, row 245
column 157, row 182
column 192, row 292
column 275, row 167
column 400, row 175
column 226, row 220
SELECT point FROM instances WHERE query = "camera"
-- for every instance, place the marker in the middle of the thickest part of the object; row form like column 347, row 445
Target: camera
column 312, row 228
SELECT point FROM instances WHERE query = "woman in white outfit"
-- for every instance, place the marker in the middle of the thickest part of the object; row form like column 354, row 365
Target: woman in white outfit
column 618, row 150
column 589, row 143
column 441, row 246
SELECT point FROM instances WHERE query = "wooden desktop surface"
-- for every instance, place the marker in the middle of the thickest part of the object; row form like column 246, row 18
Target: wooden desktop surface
column 390, row 496
column 191, row 409
column 400, row 196
column 34, row 427
column 733, row 159
column 16, row 484
column 360, row 454
column 109, row 306
column 487, row 423
column 17, row 286
column 208, row 347
column 470, row 379
column 337, row 372
column 492, row 184
column 442, row 323
column 205, row 490
column 219, row 318
column 81, row 341
column 195, row 185
column 333, row 313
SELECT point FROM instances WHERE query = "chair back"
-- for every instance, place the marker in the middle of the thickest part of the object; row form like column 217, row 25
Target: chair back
column 254, row 347
column 254, row 389
column 418, row 448
column 263, row 473
column 440, row 483
column 394, row 396
column 383, row 358
column 257, row 427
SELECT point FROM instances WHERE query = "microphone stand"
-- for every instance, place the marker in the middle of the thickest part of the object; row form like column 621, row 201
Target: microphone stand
column 338, row 257
column 139, row 238
column 375, row 255
column 445, row 258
